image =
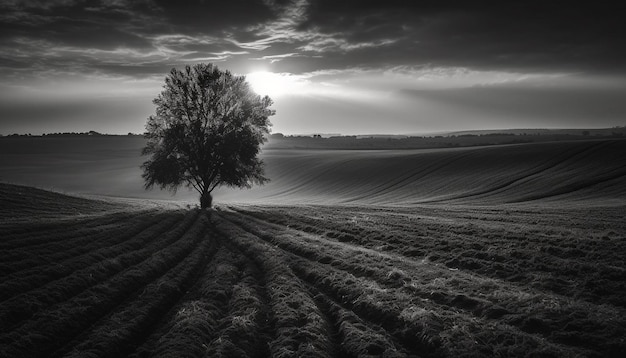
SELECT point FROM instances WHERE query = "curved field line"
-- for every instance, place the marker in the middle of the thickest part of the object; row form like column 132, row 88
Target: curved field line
column 529, row 173
column 422, row 344
column 449, row 245
column 52, row 256
column 32, row 234
column 89, row 306
column 574, row 187
column 128, row 324
column 301, row 328
column 307, row 247
column 417, row 174
column 39, row 301
column 92, row 264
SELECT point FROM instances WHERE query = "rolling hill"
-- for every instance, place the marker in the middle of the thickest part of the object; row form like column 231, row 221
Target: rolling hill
column 590, row 172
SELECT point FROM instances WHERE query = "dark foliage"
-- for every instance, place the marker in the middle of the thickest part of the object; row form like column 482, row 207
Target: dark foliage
column 207, row 132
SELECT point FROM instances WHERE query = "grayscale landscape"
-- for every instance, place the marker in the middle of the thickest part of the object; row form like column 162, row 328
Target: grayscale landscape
column 312, row 179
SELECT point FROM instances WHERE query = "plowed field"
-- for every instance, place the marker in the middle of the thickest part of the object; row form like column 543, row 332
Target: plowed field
column 100, row 279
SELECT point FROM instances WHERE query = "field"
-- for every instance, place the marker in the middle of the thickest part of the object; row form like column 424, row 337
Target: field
column 592, row 171
column 508, row 251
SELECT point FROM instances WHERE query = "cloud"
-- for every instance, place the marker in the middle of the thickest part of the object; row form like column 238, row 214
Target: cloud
column 354, row 50
column 276, row 58
column 198, row 17
column 302, row 36
column 520, row 36
column 70, row 23
column 327, row 44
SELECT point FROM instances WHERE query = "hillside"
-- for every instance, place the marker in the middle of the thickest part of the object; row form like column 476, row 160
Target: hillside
column 590, row 171
column 324, row 281
column 26, row 203
column 582, row 171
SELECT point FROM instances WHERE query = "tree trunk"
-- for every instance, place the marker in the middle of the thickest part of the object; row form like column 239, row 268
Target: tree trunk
column 206, row 200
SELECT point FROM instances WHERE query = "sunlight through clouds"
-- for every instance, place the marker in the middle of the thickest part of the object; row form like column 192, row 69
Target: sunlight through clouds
column 370, row 84
column 415, row 65
column 276, row 84
column 315, row 84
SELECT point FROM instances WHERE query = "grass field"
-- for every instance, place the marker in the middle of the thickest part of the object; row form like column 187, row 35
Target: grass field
column 463, row 253
column 592, row 171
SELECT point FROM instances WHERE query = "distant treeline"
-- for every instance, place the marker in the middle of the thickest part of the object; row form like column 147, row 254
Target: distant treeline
column 317, row 141
column 449, row 140
column 69, row 134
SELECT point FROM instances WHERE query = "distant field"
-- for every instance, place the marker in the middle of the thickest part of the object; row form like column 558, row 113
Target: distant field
column 85, row 278
column 516, row 250
column 585, row 172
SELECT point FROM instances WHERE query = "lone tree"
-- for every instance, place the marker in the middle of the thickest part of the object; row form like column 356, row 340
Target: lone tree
column 207, row 132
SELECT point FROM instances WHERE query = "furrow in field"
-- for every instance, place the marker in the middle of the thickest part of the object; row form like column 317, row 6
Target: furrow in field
column 548, row 257
column 125, row 327
column 300, row 326
column 551, row 257
column 355, row 337
column 38, row 233
column 40, row 259
column 123, row 259
column 191, row 326
column 397, row 274
column 51, row 244
column 41, row 333
column 63, row 230
column 412, row 334
column 221, row 302
column 89, row 267
column 419, row 324
column 244, row 331
column 374, row 304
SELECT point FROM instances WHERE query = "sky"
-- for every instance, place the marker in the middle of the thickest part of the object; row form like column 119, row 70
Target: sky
column 348, row 67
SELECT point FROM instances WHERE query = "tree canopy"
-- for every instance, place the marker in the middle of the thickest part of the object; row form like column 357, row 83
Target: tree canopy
column 207, row 132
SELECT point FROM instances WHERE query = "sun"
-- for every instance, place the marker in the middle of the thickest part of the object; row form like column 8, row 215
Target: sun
column 273, row 84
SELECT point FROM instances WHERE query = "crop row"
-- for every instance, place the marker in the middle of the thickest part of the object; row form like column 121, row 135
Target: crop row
column 40, row 231
column 223, row 315
column 358, row 337
column 300, row 328
column 59, row 312
column 191, row 324
column 39, row 288
column 459, row 298
column 323, row 282
column 548, row 253
column 244, row 330
column 22, row 262
column 378, row 306
column 117, row 334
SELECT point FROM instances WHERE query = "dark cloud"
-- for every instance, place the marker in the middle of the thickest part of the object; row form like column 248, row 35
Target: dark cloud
column 515, row 36
column 90, row 35
column 522, row 35
column 201, row 17
column 77, row 24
